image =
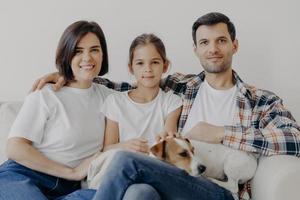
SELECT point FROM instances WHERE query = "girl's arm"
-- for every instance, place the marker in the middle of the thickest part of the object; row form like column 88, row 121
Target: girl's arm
column 111, row 139
column 172, row 121
column 170, row 125
column 22, row 151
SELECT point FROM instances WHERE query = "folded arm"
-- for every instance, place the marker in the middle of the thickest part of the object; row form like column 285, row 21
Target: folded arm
column 22, row 151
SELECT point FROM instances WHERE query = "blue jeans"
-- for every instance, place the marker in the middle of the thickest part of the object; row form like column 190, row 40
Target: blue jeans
column 172, row 183
column 134, row 192
column 18, row 182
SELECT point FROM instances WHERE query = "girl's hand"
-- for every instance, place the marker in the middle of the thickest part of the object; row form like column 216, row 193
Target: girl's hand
column 136, row 145
column 166, row 134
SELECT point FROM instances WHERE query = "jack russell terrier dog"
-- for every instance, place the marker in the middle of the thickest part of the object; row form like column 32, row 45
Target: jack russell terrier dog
column 224, row 166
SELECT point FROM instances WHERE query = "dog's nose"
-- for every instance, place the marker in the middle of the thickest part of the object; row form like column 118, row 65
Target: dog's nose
column 201, row 169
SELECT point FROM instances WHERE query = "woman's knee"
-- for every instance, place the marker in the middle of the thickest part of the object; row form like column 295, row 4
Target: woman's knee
column 141, row 192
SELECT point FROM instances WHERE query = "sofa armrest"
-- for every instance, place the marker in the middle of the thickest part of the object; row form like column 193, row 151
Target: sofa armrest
column 277, row 178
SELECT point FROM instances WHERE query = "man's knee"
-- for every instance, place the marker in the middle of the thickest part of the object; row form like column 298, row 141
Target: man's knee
column 141, row 192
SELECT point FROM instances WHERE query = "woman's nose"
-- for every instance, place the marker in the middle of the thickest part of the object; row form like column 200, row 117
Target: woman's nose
column 86, row 57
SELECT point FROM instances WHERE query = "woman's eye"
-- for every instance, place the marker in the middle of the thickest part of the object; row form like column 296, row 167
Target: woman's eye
column 78, row 51
column 95, row 50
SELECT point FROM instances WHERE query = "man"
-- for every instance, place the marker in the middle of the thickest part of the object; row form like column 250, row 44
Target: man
column 218, row 107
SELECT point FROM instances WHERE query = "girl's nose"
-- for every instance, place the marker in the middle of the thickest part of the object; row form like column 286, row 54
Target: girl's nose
column 147, row 68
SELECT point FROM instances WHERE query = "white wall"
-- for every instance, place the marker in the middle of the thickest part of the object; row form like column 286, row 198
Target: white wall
column 268, row 32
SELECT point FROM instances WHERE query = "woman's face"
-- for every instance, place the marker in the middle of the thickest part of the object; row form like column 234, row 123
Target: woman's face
column 86, row 63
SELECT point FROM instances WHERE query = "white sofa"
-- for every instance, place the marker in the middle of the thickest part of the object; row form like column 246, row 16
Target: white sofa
column 277, row 177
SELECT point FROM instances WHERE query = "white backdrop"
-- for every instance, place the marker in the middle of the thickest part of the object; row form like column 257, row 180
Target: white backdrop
column 268, row 33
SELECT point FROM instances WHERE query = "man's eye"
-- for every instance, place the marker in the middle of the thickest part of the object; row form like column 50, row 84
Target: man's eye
column 203, row 43
column 222, row 41
column 184, row 154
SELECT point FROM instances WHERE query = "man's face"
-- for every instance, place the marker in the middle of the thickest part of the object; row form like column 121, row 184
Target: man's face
column 214, row 47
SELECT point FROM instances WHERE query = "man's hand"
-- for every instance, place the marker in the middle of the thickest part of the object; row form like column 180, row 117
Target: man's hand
column 206, row 132
column 55, row 78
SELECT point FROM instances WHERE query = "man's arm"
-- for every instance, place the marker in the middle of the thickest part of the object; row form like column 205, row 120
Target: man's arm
column 276, row 132
column 121, row 86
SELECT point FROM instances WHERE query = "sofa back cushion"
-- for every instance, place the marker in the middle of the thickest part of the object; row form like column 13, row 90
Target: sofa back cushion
column 8, row 113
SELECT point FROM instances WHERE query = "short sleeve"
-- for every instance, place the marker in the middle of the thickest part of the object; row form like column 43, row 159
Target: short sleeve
column 110, row 107
column 31, row 120
column 172, row 102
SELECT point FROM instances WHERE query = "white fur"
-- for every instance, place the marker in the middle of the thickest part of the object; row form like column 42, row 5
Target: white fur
column 221, row 161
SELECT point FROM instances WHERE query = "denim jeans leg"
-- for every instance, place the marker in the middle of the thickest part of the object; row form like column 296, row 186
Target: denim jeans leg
column 82, row 194
column 17, row 186
column 20, row 182
column 141, row 191
column 172, row 183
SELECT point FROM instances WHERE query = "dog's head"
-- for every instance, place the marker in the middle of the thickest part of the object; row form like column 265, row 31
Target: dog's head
column 179, row 152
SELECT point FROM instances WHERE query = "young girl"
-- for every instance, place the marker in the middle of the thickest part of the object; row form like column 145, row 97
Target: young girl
column 56, row 134
column 136, row 117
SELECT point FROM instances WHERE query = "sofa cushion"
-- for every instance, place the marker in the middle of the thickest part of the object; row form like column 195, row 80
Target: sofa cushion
column 8, row 113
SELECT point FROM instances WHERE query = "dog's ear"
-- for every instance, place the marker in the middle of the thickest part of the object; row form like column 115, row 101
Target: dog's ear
column 159, row 150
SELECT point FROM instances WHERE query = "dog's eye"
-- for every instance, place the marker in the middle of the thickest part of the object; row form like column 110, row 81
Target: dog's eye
column 184, row 154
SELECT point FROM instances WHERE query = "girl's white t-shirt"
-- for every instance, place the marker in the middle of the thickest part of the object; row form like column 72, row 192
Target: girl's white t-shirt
column 137, row 120
column 213, row 106
column 66, row 126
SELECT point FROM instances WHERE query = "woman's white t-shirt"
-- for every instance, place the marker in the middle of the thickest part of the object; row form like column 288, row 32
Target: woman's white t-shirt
column 66, row 126
column 136, row 120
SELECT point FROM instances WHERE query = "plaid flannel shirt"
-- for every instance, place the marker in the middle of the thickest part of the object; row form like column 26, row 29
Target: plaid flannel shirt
column 262, row 124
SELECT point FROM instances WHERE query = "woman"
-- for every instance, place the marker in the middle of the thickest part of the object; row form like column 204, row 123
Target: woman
column 57, row 134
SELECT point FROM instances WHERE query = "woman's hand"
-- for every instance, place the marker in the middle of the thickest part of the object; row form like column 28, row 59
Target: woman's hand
column 55, row 78
column 80, row 172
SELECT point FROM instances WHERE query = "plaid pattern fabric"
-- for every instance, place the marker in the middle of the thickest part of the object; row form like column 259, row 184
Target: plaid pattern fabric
column 262, row 124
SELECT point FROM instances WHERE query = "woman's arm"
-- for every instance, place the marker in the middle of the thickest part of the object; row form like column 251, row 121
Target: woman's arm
column 22, row 151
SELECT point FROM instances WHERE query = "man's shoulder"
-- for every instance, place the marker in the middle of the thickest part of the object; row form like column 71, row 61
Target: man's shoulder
column 260, row 95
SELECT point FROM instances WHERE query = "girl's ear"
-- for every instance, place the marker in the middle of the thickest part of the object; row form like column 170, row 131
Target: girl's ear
column 130, row 68
column 166, row 66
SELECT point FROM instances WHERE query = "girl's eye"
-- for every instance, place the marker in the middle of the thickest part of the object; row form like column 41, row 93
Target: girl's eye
column 139, row 63
column 156, row 62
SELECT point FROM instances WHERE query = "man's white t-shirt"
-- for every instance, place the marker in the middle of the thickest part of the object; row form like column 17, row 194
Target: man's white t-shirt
column 213, row 106
column 66, row 126
column 136, row 120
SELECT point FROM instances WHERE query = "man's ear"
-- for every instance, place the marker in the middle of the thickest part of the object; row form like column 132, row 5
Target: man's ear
column 195, row 49
column 159, row 150
column 235, row 45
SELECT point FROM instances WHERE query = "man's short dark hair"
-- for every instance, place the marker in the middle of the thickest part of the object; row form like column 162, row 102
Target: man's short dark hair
column 67, row 46
column 212, row 19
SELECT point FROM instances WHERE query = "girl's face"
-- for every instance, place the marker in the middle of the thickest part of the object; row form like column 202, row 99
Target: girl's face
column 86, row 64
column 147, row 66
